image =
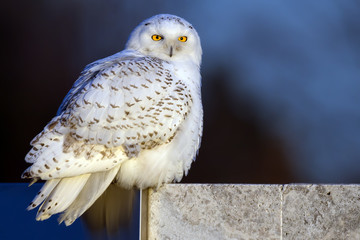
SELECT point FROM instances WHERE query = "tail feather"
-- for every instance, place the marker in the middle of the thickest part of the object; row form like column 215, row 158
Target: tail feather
column 62, row 196
column 43, row 193
column 94, row 187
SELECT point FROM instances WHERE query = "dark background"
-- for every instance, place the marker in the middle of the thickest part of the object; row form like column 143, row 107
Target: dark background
column 281, row 82
column 281, row 89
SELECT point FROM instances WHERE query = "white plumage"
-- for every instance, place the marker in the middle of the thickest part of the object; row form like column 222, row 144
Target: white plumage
column 133, row 119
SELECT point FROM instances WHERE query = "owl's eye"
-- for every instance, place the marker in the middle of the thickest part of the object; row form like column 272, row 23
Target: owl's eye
column 182, row 39
column 156, row 37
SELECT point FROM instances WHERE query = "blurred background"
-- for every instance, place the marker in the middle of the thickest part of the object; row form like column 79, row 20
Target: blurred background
column 281, row 81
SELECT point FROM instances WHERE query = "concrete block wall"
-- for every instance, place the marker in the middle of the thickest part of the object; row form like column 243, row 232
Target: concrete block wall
column 235, row 211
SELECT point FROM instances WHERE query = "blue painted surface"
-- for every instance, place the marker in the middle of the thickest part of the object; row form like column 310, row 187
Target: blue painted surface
column 18, row 223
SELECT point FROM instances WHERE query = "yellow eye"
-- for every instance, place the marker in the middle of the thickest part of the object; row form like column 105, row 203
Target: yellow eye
column 182, row 39
column 156, row 37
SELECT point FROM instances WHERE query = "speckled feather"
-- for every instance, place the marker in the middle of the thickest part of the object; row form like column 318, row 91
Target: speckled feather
column 134, row 118
column 119, row 111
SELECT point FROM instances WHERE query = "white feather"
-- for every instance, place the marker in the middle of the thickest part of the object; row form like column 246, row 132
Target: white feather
column 43, row 193
column 95, row 186
column 62, row 196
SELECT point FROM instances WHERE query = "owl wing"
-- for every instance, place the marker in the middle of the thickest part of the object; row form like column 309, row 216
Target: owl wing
column 116, row 109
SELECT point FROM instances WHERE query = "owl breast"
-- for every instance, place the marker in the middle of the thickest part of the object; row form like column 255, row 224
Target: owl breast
column 169, row 161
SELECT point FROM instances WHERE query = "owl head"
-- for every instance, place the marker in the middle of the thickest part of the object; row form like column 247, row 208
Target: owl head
column 167, row 37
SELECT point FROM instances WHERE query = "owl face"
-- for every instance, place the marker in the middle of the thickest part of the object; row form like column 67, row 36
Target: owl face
column 167, row 37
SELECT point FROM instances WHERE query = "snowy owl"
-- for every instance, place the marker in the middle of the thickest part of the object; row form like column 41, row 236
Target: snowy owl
column 133, row 119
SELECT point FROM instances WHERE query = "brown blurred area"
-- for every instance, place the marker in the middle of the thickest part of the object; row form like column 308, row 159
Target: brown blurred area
column 45, row 47
column 235, row 148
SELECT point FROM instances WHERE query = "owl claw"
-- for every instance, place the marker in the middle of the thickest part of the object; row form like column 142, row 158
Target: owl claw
column 26, row 174
column 34, row 180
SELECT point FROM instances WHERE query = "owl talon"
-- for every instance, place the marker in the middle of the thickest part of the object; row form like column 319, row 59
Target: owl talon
column 34, row 180
column 26, row 174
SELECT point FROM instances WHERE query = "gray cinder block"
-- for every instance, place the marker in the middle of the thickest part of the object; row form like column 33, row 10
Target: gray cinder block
column 196, row 211
column 321, row 212
column 228, row 211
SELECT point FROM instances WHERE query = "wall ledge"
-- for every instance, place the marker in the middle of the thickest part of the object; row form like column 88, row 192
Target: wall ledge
column 251, row 211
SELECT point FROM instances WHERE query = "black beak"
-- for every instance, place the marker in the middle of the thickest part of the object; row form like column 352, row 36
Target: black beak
column 171, row 51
